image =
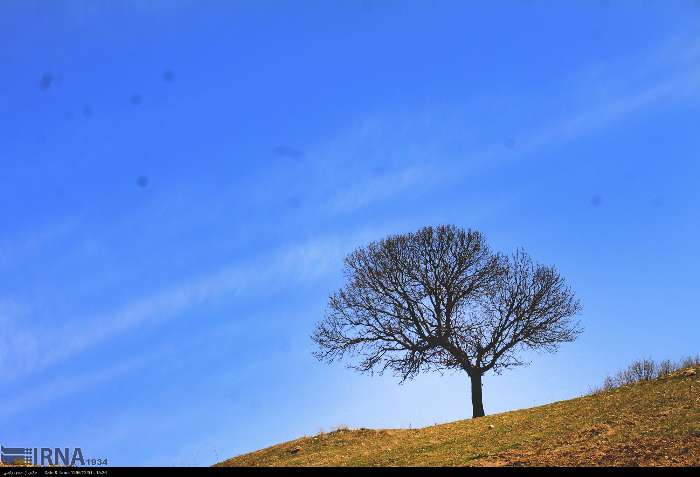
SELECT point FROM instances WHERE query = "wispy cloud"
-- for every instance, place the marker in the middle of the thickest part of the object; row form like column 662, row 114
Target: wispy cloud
column 64, row 386
column 24, row 352
column 372, row 189
column 617, row 108
column 16, row 247
column 429, row 149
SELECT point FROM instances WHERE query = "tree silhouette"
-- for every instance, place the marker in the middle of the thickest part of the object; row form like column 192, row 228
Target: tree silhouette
column 439, row 299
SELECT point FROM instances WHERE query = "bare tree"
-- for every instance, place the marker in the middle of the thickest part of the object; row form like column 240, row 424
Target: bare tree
column 439, row 299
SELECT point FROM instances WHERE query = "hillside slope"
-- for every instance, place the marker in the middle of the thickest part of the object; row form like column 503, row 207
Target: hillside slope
column 652, row 423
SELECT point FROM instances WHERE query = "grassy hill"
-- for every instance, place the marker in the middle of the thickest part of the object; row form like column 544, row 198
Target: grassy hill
column 649, row 423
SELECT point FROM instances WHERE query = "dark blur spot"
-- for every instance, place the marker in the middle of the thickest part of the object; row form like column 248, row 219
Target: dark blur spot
column 379, row 170
column 87, row 111
column 142, row 181
column 46, row 81
column 168, row 76
column 658, row 202
column 509, row 143
column 289, row 152
column 136, row 99
column 294, row 202
column 596, row 201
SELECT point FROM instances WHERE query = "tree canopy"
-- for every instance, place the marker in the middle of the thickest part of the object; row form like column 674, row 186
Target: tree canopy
column 440, row 299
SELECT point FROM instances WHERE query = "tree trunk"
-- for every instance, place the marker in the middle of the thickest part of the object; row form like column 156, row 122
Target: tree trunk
column 477, row 403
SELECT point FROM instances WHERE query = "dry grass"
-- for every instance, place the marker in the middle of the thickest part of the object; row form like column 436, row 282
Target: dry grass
column 649, row 423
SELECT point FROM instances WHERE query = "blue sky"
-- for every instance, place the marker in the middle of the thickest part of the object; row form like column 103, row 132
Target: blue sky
column 179, row 184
